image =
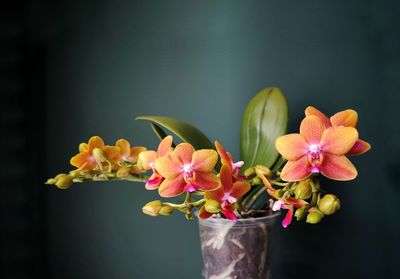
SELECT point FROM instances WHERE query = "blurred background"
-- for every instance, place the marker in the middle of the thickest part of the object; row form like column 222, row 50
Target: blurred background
column 72, row 69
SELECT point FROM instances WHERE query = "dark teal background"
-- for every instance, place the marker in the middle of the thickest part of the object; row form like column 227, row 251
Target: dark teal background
column 202, row 61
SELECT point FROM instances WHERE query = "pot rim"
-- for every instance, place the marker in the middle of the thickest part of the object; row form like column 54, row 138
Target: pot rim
column 242, row 222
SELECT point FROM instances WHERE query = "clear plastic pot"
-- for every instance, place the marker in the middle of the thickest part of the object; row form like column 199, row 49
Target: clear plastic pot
column 236, row 250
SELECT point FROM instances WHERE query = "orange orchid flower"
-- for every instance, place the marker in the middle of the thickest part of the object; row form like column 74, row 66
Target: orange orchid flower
column 86, row 159
column 122, row 151
column 227, row 159
column 345, row 118
column 147, row 159
column 226, row 195
column 290, row 204
column 317, row 149
column 187, row 170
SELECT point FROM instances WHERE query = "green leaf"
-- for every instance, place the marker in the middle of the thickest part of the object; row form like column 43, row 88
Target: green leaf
column 184, row 131
column 264, row 119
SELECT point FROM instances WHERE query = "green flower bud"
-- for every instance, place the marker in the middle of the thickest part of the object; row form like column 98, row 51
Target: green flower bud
column 329, row 204
column 301, row 212
column 51, row 181
column 63, row 181
column 314, row 217
column 256, row 181
column 166, row 210
column 263, row 170
column 212, row 206
column 303, row 190
column 152, row 208
column 250, row 173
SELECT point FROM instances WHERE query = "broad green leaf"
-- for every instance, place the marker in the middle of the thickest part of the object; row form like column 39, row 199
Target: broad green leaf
column 184, row 131
column 264, row 119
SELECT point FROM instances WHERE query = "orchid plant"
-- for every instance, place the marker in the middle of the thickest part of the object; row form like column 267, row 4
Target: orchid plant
column 277, row 171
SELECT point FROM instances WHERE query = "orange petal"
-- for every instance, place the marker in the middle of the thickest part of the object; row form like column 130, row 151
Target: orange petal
column 135, row 151
column 339, row 140
column 95, row 142
column 291, row 146
column 346, row 118
column 172, row 187
column 225, row 158
column 359, row 147
column 168, row 166
column 206, row 181
column 216, row 195
column 296, row 170
column 338, row 168
column 225, row 175
column 312, row 128
column 124, row 146
column 80, row 159
column 83, row 147
column 184, row 152
column 239, row 189
column 203, row 214
column 112, row 153
column 204, row 160
column 165, row 146
column 313, row 111
column 146, row 158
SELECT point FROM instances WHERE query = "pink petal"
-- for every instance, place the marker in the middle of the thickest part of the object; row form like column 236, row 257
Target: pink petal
column 172, row 187
column 153, row 182
column 296, row 170
column 228, row 214
column 288, row 218
column 338, row 167
column 338, row 140
column 359, row 148
column 206, row 181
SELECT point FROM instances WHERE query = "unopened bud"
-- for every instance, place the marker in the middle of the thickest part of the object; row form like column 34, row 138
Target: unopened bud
column 123, row 171
column 166, row 210
column 256, row 181
column 301, row 213
column 263, row 170
column 152, row 208
column 329, row 204
column 63, row 181
column 250, row 173
column 99, row 155
column 303, row 190
column 212, row 206
column 51, row 181
column 314, row 217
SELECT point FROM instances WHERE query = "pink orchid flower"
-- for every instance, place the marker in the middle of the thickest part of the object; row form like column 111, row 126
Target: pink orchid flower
column 226, row 195
column 187, row 170
column 147, row 159
column 345, row 118
column 317, row 149
column 289, row 204
column 227, row 159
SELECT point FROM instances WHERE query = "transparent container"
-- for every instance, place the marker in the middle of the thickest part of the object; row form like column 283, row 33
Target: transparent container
column 236, row 250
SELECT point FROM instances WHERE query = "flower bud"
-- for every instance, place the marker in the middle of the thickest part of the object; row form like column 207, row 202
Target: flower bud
column 99, row 155
column 263, row 170
column 212, row 206
column 301, row 213
column 166, row 210
column 329, row 204
column 123, row 171
column 51, row 181
column 63, row 181
column 314, row 217
column 303, row 190
column 256, row 181
column 250, row 173
column 152, row 208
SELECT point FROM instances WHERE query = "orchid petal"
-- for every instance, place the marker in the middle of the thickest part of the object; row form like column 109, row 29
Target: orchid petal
column 297, row 203
column 346, row 118
column 184, row 151
column 359, row 147
column 135, row 151
column 313, row 111
column 277, row 205
column 296, row 170
column 147, row 159
column 168, row 166
column 312, row 129
column 172, row 187
column 153, row 182
column 288, row 218
column 239, row 189
column 95, row 142
column 80, row 159
column 203, row 214
column 225, row 175
column 216, row 195
column 225, row 158
column 228, row 213
column 165, row 146
column 338, row 167
column 124, row 146
column 204, row 160
column 206, row 181
column 339, row 140
column 83, row 147
column 291, row 146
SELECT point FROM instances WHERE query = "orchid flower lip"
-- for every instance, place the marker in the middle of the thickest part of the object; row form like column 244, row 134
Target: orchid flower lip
column 277, row 205
column 227, row 197
column 314, row 148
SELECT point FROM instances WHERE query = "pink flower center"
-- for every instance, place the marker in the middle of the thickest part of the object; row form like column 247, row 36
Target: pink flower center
column 315, row 156
column 228, row 198
column 188, row 171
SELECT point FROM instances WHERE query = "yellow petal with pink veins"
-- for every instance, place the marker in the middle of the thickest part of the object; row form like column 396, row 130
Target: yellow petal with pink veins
column 346, row 118
column 291, row 146
column 165, row 146
column 80, row 159
column 312, row 129
column 184, row 152
column 172, row 187
column 95, row 142
column 296, row 170
column 338, row 168
column 239, row 189
column 206, row 181
column 359, row 148
column 135, row 151
column 313, row 111
column 124, row 146
column 146, row 158
column 225, row 175
column 204, row 160
column 338, row 140
column 168, row 166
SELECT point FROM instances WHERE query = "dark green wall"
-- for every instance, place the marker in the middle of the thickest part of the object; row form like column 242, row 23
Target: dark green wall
column 201, row 61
